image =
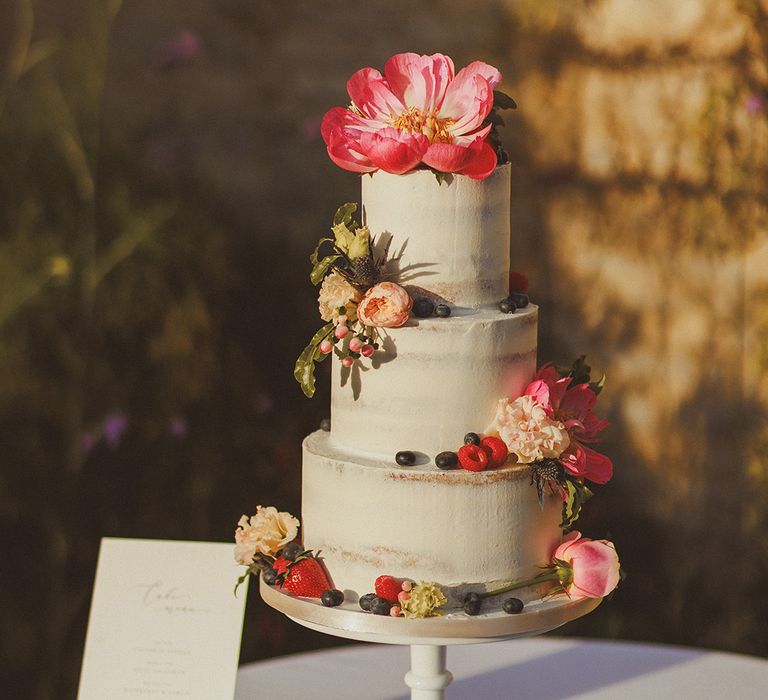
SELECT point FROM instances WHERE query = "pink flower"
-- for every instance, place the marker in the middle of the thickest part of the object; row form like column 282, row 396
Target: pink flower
column 572, row 405
column 385, row 305
column 417, row 112
column 587, row 568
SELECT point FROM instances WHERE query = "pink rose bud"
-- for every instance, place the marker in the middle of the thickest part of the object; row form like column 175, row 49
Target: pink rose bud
column 342, row 319
column 366, row 350
column 348, row 361
column 326, row 346
column 395, row 611
column 385, row 305
column 592, row 566
column 341, row 331
column 355, row 345
column 403, row 596
column 407, row 585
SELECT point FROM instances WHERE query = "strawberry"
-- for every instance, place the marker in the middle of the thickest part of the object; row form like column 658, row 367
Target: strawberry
column 496, row 450
column 518, row 282
column 305, row 577
column 388, row 588
column 473, row 458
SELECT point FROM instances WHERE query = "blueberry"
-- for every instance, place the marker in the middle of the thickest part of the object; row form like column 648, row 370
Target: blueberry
column 512, row 606
column 443, row 310
column 332, row 597
column 366, row 601
column 447, row 460
column 269, row 575
column 423, row 308
column 520, row 299
column 325, row 424
column 292, row 550
column 471, row 439
column 379, row 606
column 507, row 306
column 472, row 604
column 405, row 458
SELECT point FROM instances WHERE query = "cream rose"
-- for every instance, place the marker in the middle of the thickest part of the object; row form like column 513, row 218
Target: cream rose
column 528, row 432
column 335, row 291
column 268, row 531
column 385, row 305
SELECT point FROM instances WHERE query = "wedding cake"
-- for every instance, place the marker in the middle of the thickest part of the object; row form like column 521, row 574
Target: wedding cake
column 450, row 461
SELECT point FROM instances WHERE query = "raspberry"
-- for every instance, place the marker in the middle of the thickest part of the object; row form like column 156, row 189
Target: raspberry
column 518, row 282
column 388, row 588
column 473, row 458
column 496, row 450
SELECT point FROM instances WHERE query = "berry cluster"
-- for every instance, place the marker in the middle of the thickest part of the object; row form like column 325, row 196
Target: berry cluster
column 424, row 308
column 476, row 455
column 390, row 594
column 473, row 602
column 360, row 343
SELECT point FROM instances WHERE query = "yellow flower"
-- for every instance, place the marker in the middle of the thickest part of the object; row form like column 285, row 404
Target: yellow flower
column 425, row 598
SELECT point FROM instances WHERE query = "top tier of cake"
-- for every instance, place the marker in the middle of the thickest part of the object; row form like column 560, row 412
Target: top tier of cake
column 450, row 239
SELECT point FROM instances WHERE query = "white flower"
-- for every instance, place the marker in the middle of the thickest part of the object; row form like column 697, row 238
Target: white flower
column 527, row 430
column 267, row 532
column 335, row 291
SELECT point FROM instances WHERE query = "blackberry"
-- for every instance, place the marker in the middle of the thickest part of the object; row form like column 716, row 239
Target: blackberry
column 472, row 604
column 332, row 597
column 471, row 439
column 379, row 606
column 365, row 271
column 325, row 424
column 366, row 601
column 512, row 606
column 520, row 299
column 507, row 306
column 447, row 460
column 292, row 550
column 423, row 308
column 405, row 458
column 443, row 310
column 269, row 575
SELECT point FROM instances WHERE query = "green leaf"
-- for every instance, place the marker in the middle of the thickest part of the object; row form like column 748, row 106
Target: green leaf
column 343, row 237
column 316, row 252
column 321, row 269
column 503, row 101
column 597, row 386
column 360, row 246
column 576, row 495
column 240, row 580
column 344, row 214
column 304, row 370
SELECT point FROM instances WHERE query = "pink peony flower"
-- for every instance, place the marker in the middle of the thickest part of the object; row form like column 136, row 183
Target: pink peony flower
column 587, row 568
column 417, row 112
column 385, row 305
column 572, row 405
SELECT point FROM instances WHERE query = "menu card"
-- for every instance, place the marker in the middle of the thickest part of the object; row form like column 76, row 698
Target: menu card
column 164, row 622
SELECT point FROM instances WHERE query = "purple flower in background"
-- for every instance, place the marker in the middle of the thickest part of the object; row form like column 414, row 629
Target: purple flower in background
column 113, row 429
column 178, row 427
column 181, row 49
column 754, row 103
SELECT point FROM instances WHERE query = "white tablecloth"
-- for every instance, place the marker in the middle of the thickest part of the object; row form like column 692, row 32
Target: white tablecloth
column 544, row 668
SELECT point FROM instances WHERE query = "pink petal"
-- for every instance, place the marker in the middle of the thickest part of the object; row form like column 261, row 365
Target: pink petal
column 562, row 549
column 371, row 95
column 468, row 100
column 419, row 81
column 394, row 151
column 469, row 139
column 598, row 468
column 540, row 392
column 482, row 162
column 346, row 152
column 578, row 400
column 446, row 157
column 596, row 569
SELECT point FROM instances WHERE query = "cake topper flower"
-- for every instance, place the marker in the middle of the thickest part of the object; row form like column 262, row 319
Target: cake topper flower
column 418, row 113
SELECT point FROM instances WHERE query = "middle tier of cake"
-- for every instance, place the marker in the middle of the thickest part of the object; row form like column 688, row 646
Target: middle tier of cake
column 431, row 382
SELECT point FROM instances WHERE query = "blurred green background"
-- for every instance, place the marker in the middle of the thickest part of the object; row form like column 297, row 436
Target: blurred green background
column 163, row 180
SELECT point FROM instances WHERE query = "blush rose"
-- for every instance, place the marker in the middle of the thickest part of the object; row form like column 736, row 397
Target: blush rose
column 385, row 305
column 267, row 532
column 587, row 568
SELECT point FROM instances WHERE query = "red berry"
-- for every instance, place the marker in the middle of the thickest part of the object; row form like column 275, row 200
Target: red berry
column 496, row 450
column 518, row 282
column 388, row 588
column 473, row 458
column 307, row 578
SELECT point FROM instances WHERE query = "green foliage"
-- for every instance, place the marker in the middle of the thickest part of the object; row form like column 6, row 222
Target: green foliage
column 304, row 370
column 576, row 495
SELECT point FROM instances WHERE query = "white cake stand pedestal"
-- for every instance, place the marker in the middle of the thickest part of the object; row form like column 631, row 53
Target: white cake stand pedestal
column 429, row 637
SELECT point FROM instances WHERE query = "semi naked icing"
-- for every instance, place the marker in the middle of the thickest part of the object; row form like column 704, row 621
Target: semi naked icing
column 430, row 382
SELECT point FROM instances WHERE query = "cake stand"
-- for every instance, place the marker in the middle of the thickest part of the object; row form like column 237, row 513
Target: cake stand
column 428, row 638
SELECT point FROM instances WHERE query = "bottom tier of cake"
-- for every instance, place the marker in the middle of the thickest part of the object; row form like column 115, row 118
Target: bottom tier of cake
column 460, row 529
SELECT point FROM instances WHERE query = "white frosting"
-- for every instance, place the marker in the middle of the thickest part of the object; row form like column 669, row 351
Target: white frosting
column 451, row 527
column 451, row 239
column 431, row 382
